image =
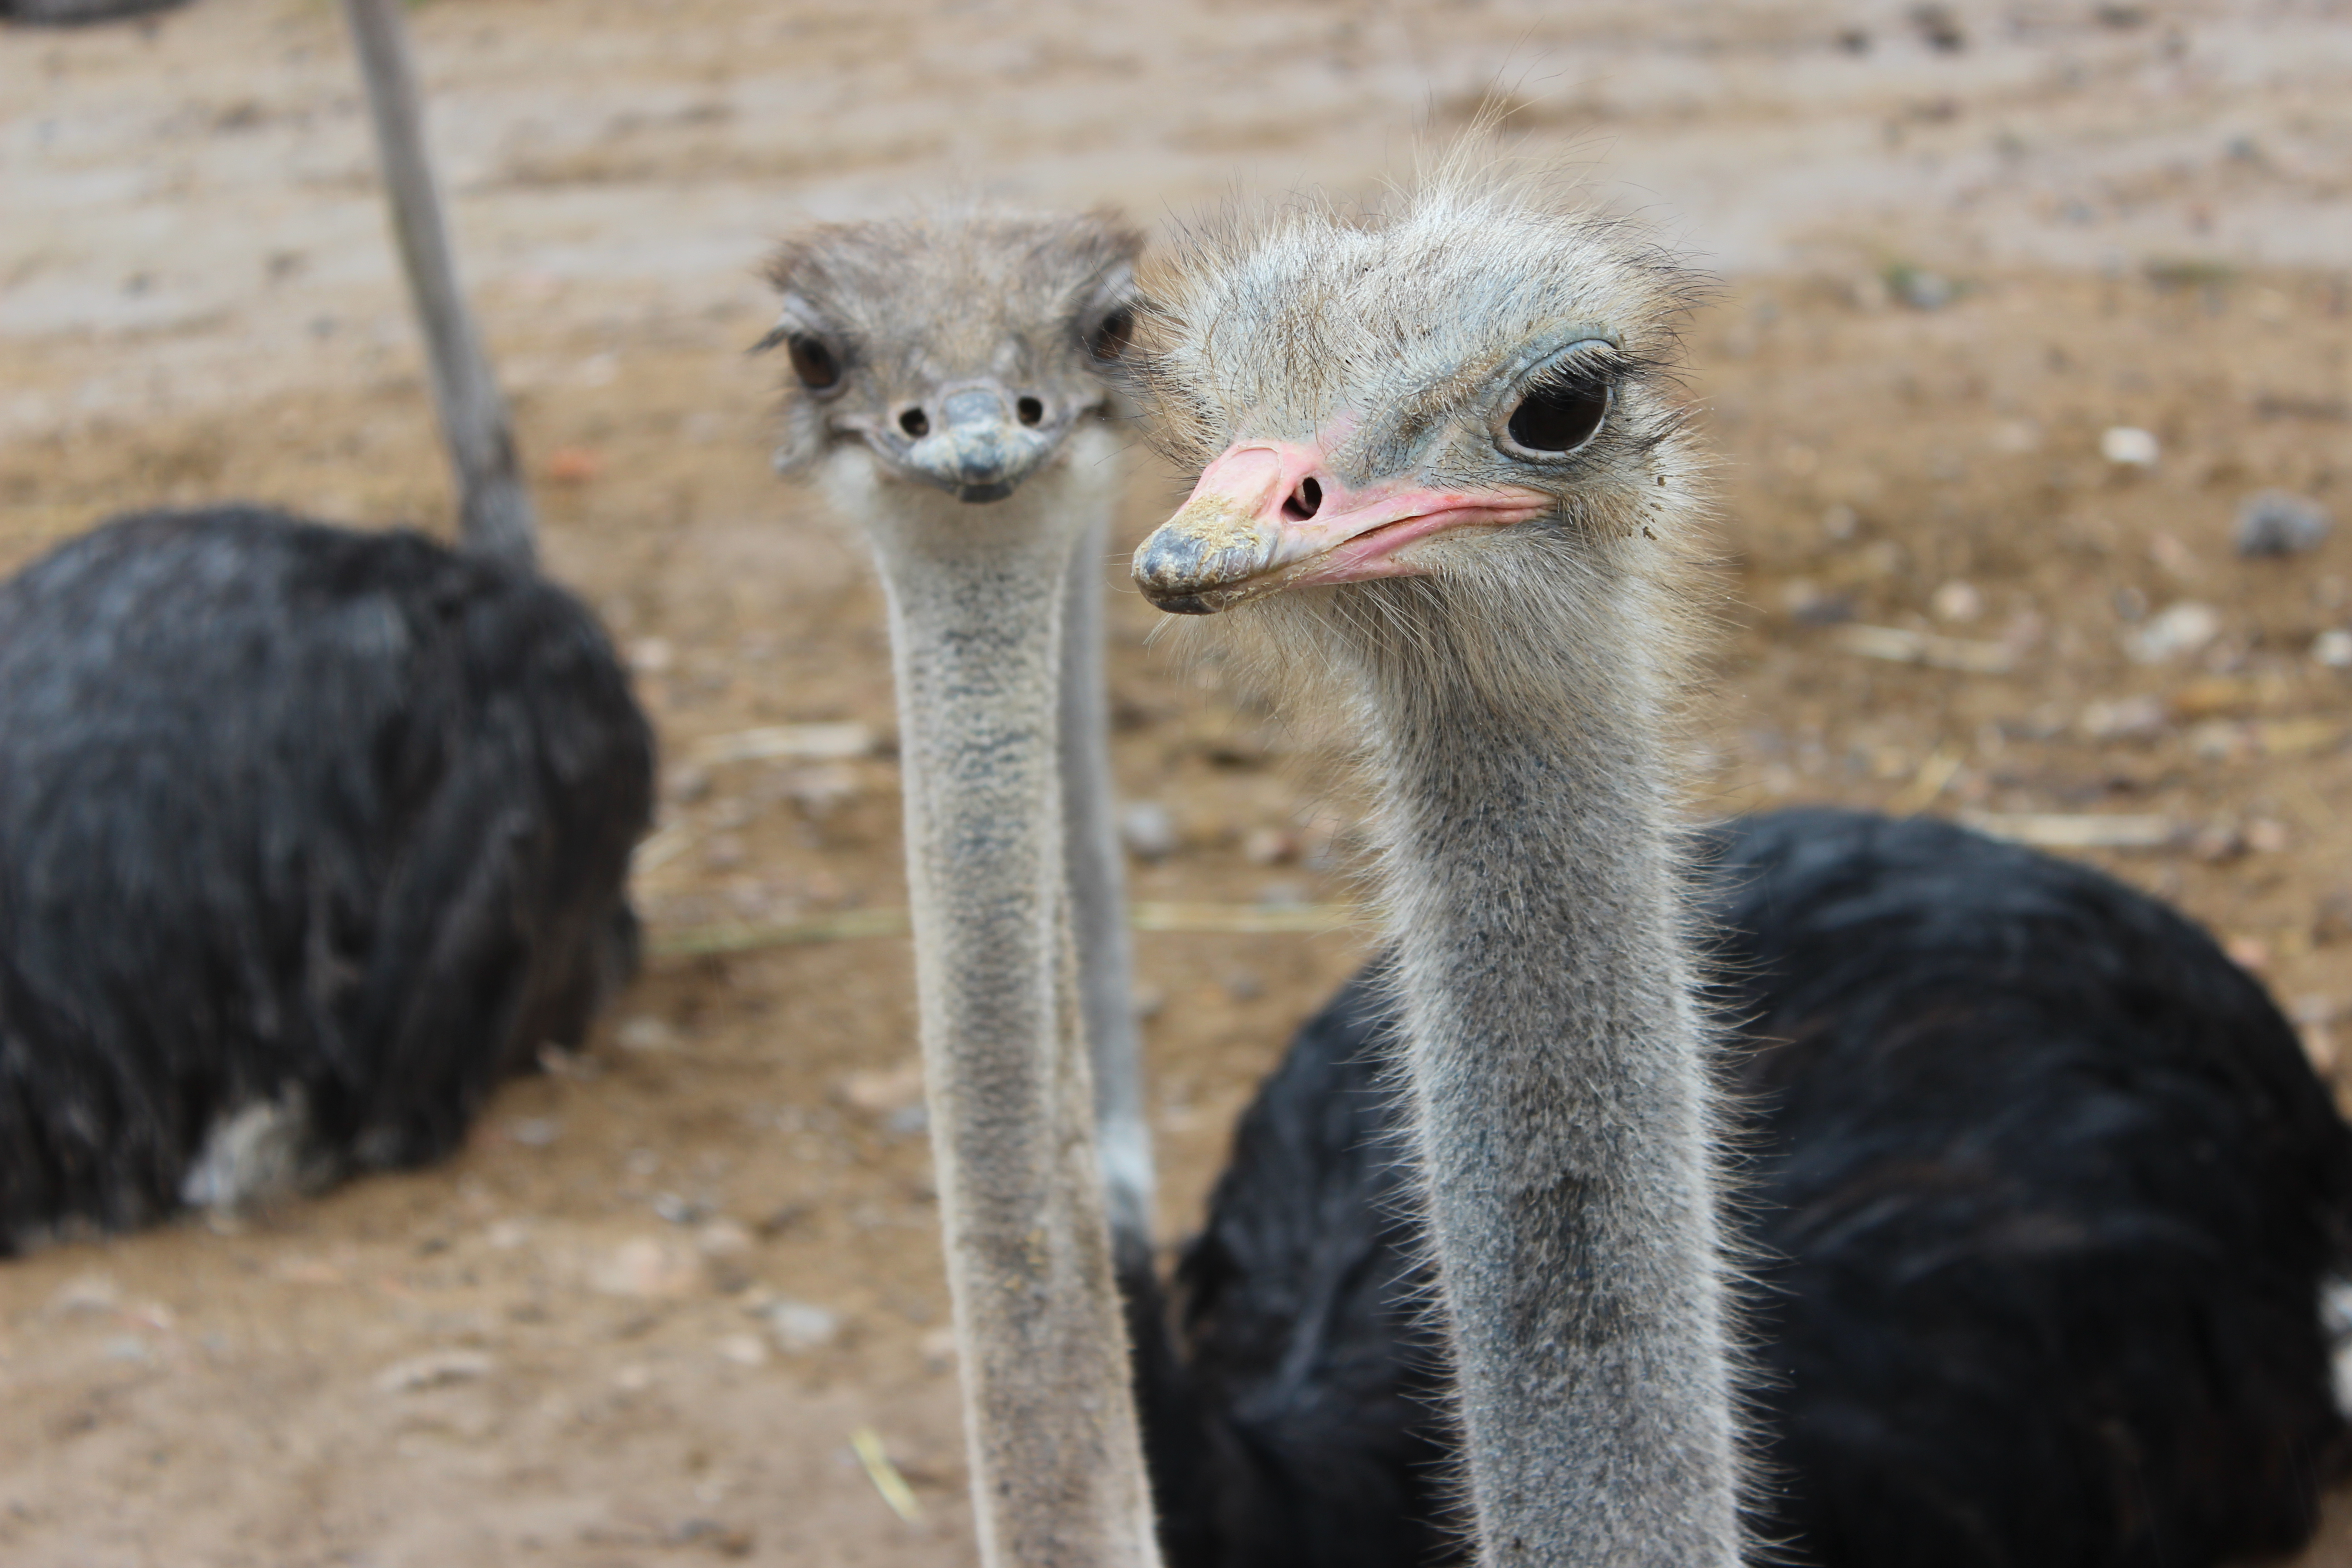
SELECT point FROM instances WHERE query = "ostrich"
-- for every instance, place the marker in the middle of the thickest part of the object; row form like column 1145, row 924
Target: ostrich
column 307, row 836
column 947, row 397
column 1439, row 467
column 2042, row 1193
column 1443, row 434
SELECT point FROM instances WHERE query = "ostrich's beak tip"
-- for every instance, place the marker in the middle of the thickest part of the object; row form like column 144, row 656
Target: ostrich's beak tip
column 1203, row 558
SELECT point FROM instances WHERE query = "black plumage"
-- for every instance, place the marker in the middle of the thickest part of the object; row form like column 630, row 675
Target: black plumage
column 79, row 13
column 1292, row 1425
column 2043, row 1192
column 307, row 838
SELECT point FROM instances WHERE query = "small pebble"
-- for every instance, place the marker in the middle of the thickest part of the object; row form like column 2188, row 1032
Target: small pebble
column 646, row 1032
column 1149, row 830
column 435, row 1368
column 818, row 789
column 1921, row 290
column 2249, row 952
column 2332, row 648
column 2126, row 719
column 798, row 1327
column 573, row 1066
column 2127, row 447
column 743, row 1349
column 534, row 1131
column 2279, row 522
column 1268, row 847
column 727, row 1540
column 2173, row 632
column 1810, row 605
column 2220, row 741
column 573, row 465
column 2175, row 558
column 723, row 1238
column 309, row 1271
column 2219, row 841
column 1957, row 601
column 880, row 1091
column 86, row 1294
column 679, row 1210
column 647, row 1268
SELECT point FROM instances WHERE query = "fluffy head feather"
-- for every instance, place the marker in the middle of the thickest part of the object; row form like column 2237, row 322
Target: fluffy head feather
column 886, row 322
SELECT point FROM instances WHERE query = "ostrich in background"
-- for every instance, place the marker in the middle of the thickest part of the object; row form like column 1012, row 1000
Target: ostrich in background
column 948, row 401
column 1439, row 466
column 307, row 836
column 956, row 346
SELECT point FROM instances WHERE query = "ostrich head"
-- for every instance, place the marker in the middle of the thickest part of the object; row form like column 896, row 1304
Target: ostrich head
column 955, row 352
column 1461, row 398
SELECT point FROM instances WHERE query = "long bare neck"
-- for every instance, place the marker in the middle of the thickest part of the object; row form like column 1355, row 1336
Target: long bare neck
column 1557, row 1071
column 494, row 511
column 1105, row 963
column 1057, row 1474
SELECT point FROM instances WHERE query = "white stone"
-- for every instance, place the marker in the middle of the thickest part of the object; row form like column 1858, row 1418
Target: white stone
column 2128, row 446
column 2174, row 633
column 799, row 1327
column 647, row 1268
column 1149, row 830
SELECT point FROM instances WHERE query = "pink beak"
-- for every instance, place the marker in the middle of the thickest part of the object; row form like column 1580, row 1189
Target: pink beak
column 1269, row 515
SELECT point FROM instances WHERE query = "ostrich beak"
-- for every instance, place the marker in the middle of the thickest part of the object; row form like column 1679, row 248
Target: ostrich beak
column 978, row 451
column 1269, row 515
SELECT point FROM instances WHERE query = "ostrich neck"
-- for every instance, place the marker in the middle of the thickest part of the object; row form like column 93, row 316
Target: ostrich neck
column 1057, row 1474
column 1099, row 905
column 1555, row 1067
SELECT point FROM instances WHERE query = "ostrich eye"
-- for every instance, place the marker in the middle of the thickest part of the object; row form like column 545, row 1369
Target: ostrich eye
column 814, row 364
column 1112, row 334
column 1559, row 415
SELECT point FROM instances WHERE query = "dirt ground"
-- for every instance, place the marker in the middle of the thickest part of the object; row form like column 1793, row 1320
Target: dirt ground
column 652, row 1311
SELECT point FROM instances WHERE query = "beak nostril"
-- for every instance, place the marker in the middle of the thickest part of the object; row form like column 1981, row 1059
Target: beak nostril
column 1304, row 502
column 915, row 423
column 1029, row 410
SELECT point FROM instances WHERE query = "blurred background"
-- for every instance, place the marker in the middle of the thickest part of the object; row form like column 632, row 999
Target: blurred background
column 2027, row 369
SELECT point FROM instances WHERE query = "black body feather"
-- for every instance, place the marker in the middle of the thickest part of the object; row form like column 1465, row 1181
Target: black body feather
column 291, row 815
column 79, row 13
column 2043, row 1195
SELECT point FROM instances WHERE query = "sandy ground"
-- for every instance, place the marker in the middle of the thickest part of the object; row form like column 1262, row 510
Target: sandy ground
column 647, row 1313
